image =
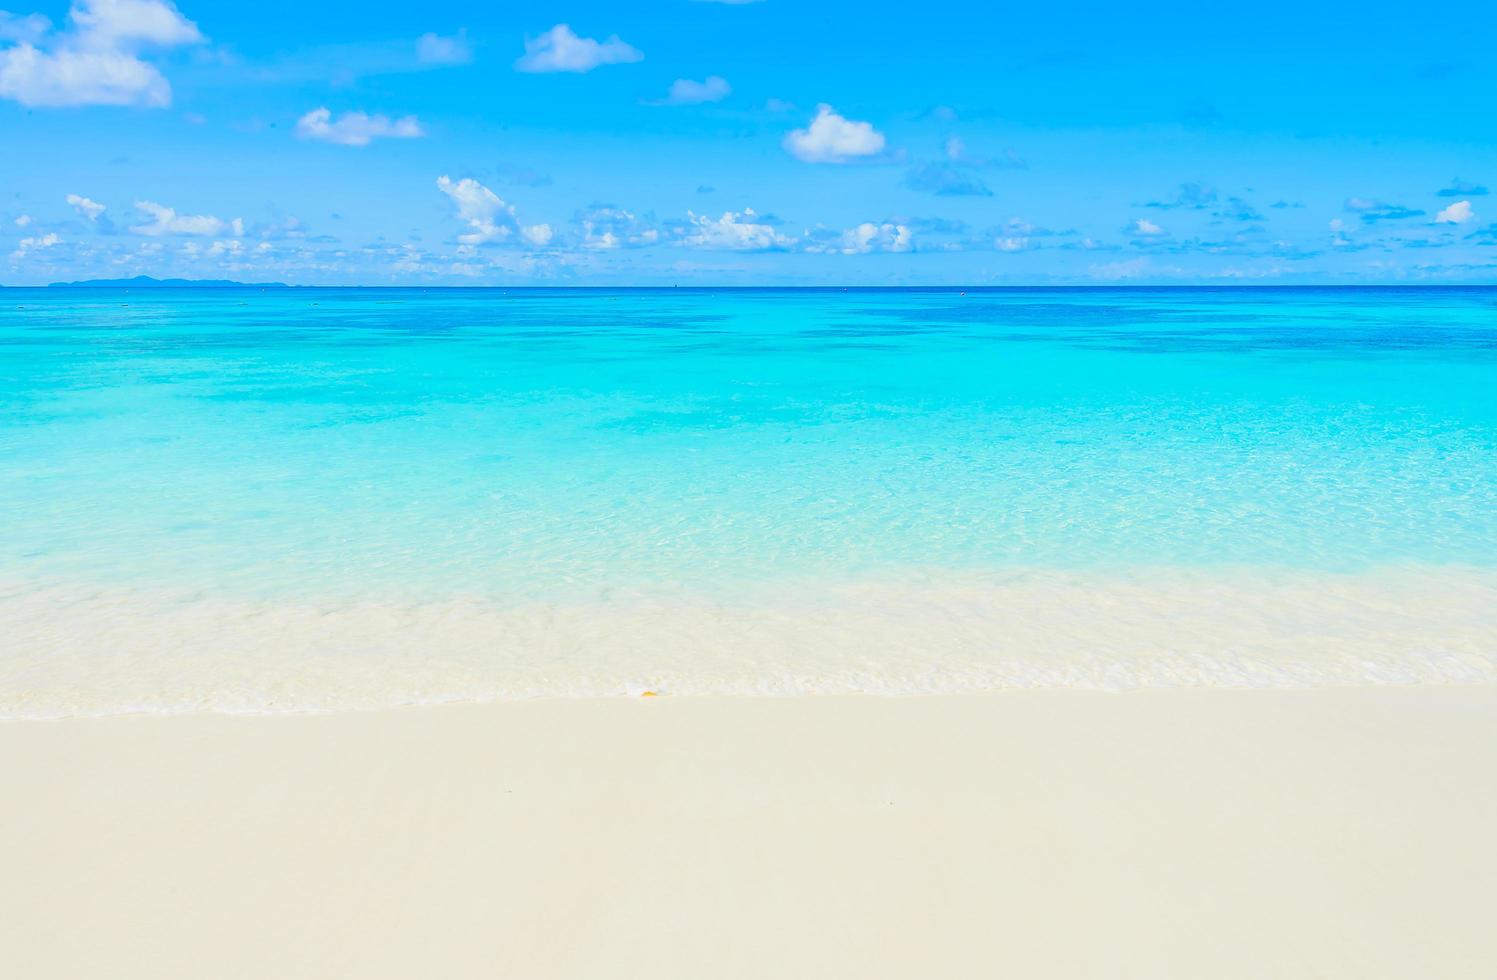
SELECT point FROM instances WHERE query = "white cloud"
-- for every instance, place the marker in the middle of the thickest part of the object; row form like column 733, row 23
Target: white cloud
column 126, row 24
column 355, row 128
column 741, row 231
column 1145, row 227
column 560, row 49
column 1458, row 213
column 869, row 237
column 89, row 209
column 1011, row 243
column 955, row 148
column 33, row 244
column 74, row 78
column 435, row 49
column 832, row 139
column 1337, row 224
column 166, row 221
column 605, row 228
column 97, row 60
column 23, row 220
column 490, row 216
column 684, row 91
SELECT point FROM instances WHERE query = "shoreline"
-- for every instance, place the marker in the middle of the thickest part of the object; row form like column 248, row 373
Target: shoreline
column 87, row 651
column 1142, row 833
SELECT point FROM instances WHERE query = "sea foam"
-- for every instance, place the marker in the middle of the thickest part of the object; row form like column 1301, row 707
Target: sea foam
column 73, row 651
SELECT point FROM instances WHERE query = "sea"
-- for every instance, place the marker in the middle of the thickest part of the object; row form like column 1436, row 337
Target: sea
column 309, row 499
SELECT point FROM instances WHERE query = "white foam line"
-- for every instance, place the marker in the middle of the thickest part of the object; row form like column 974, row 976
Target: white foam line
column 70, row 651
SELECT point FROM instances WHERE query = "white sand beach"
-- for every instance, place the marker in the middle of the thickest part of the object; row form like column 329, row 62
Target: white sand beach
column 1042, row 833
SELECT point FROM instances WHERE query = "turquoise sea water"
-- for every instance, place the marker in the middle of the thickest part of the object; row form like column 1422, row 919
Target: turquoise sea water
column 359, row 449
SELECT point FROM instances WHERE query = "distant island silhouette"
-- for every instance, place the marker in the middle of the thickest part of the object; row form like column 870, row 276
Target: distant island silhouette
column 147, row 282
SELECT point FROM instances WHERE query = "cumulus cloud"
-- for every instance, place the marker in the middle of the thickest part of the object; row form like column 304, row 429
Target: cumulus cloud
column 44, row 79
column 560, row 49
column 831, row 138
column 870, row 237
column 491, row 217
column 22, row 220
column 355, row 128
column 436, row 49
column 605, row 227
column 946, row 180
column 97, row 60
column 166, row 221
column 537, row 235
column 89, row 209
column 684, row 91
column 736, row 231
column 1144, row 227
column 33, row 244
column 1458, row 213
column 128, row 23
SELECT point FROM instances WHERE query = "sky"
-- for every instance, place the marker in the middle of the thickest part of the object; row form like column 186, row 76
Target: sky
column 777, row 142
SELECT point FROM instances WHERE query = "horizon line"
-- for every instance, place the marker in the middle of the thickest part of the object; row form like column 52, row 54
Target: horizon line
column 190, row 284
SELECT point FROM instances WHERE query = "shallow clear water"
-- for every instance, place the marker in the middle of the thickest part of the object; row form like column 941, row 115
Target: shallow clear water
column 345, row 451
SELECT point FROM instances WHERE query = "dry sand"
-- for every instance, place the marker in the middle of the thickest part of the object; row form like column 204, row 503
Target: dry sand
column 1149, row 834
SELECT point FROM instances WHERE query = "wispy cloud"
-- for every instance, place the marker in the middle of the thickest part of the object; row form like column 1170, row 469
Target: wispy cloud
column 685, row 91
column 355, row 128
column 1189, row 195
column 946, row 180
column 1370, row 210
column 166, row 221
column 561, row 50
column 1461, row 188
column 604, row 227
column 437, row 49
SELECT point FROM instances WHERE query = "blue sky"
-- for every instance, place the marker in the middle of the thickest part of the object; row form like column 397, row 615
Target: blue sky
column 781, row 141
